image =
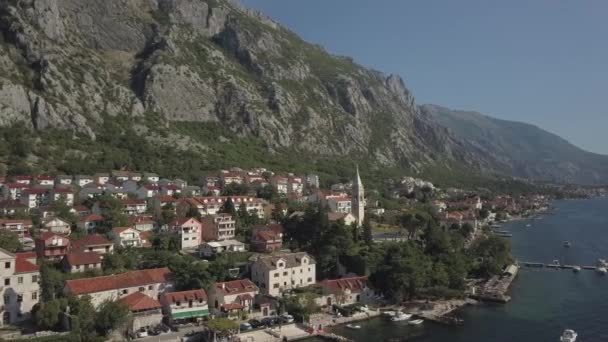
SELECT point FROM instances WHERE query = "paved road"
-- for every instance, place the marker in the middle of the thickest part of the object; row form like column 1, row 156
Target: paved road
column 171, row 337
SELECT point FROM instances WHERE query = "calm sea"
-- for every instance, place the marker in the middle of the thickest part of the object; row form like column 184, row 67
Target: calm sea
column 545, row 301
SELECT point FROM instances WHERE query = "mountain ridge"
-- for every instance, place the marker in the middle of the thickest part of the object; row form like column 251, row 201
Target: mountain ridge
column 205, row 78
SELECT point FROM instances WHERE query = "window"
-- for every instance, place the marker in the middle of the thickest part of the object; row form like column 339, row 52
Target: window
column 34, row 295
column 142, row 289
column 77, row 267
column 150, row 287
column 19, row 280
column 276, row 275
column 7, row 282
column 309, row 269
column 7, row 264
column 284, row 273
column 7, row 299
column 280, row 264
column 35, row 278
column 284, row 283
column 309, row 279
column 19, row 298
column 178, row 303
column 276, row 286
column 125, row 291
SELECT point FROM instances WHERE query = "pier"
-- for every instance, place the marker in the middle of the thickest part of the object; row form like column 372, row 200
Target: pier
column 532, row 264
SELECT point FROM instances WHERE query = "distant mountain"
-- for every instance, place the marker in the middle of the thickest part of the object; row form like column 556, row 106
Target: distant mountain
column 522, row 149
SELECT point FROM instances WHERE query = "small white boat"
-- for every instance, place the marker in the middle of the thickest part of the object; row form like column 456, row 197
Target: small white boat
column 567, row 244
column 576, row 269
column 389, row 314
column 568, row 335
column 400, row 316
column 354, row 327
column 602, row 270
column 528, row 225
column 415, row 322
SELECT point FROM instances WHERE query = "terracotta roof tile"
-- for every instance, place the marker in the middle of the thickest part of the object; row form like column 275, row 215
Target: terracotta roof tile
column 22, row 265
column 354, row 284
column 90, row 240
column 184, row 296
column 83, row 258
column 117, row 281
column 236, row 286
column 138, row 301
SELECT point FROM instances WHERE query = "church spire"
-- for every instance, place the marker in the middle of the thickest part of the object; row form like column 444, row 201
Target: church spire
column 358, row 199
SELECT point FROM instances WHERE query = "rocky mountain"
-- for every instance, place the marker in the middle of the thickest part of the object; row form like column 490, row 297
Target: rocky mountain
column 523, row 149
column 95, row 81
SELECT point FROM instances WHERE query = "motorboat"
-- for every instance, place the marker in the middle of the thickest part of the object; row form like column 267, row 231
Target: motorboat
column 568, row 335
column 389, row 314
column 415, row 322
column 354, row 327
column 602, row 270
column 400, row 316
column 556, row 262
column 528, row 225
column 576, row 269
column 567, row 244
column 602, row 263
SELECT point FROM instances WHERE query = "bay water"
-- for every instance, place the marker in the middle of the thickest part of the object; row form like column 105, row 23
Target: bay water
column 544, row 301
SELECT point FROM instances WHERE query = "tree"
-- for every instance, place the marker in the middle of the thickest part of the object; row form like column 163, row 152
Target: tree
column 110, row 316
column 228, row 207
column 51, row 282
column 82, row 316
column 222, row 327
column 112, row 212
column 9, row 241
column 368, row 237
column 47, row 314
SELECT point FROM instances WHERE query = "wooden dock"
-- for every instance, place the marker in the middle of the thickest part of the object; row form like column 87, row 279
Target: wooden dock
column 555, row 266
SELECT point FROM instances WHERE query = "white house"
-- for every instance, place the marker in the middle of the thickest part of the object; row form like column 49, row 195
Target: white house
column 185, row 305
column 275, row 274
column 57, row 225
column 151, row 282
column 211, row 248
column 127, row 237
column 232, row 297
column 19, row 288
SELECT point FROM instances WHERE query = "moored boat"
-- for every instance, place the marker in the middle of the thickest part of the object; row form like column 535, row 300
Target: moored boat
column 576, row 269
column 567, row 244
column 568, row 335
column 602, row 270
column 388, row 314
column 354, row 327
column 400, row 316
column 415, row 322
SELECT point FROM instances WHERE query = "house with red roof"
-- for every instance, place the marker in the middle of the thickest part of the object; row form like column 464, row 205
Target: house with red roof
column 75, row 262
column 233, row 297
column 12, row 207
column 185, row 305
column 93, row 243
column 146, row 312
column 163, row 202
column 57, row 225
column 62, row 194
column 267, row 238
column 189, row 231
column 339, row 204
column 19, row 288
column 19, row 227
column 148, row 191
column 45, row 180
column 52, row 246
column 34, row 197
column 150, row 282
column 132, row 206
column 127, row 237
column 141, row 223
column 13, row 191
column 90, row 222
column 170, row 190
column 345, row 291
column 23, row 179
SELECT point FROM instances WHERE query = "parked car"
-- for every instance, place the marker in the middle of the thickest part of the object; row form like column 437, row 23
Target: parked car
column 268, row 321
column 286, row 318
column 255, row 323
column 246, row 326
column 142, row 333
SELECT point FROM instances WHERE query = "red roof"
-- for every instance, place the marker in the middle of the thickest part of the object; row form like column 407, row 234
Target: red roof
column 17, row 185
column 184, row 296
column 12, row 204
column 236, row 286
column 119, row 230
column 92, row 218
column 22, row 265
column 118, row 281
column 63, row 190
column 133, row 220
column 80, row 208
column 4, row 222
column 232, row 306
column 152, row 187
column 267, row 235
column 354, row 284
column 44, row 177
column 166, row 198
column 133, row 201
column 171, row 187
column 137, row 301
column 179, row 222
column 22, row 177
column 35, row 191
column 83, row 258
column 90, row 240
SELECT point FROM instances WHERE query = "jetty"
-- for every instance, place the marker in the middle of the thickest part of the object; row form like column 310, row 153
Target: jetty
column 533, row 264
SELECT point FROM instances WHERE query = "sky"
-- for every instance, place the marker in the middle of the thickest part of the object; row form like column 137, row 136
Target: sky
column 543, row 62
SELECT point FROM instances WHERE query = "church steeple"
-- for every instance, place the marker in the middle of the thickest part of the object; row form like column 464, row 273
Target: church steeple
column 358, row 199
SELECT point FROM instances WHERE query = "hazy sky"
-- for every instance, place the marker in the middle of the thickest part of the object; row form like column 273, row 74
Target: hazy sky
column 544, row 61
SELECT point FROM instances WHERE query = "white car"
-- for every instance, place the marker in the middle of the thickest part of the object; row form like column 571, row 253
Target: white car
column 287, row 318
column 142, row 333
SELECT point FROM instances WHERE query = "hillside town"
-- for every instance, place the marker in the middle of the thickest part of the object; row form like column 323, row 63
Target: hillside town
column 235, row 250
